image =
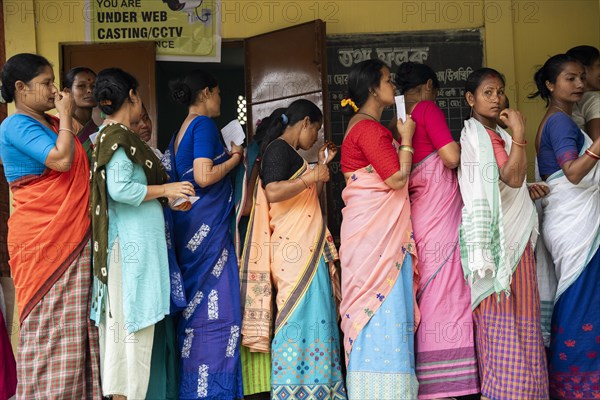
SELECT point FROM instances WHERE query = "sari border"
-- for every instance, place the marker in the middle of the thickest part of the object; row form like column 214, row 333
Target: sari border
column 303, row 283
column 27, row 179
column 58, row 273
column 416, row 166
column 245, row 259
column 437, row 271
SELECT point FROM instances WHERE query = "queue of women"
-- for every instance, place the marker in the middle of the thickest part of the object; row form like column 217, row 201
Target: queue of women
column 164, row 278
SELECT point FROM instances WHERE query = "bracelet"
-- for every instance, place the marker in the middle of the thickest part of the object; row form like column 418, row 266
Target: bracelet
column 303, row 181
column 68, row 130
column 407, row 148
column 592, row 154
column 240, row 154
column 519, row 144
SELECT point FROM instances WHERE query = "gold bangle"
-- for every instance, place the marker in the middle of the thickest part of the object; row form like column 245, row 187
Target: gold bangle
column 66, row 129
column 519, row 144
column 303, row 181
column 407, row 148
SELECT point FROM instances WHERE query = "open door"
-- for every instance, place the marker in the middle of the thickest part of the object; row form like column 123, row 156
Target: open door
column 137, row 58
column 284, row 65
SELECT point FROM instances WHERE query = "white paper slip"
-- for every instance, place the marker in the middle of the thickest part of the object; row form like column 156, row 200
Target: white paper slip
column 400, row 108
column 326, row 155
column 181, row 200
column 233, row 132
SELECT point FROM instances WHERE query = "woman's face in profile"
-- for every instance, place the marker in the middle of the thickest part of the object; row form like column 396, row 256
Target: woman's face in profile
column 309, row 135
column 387, row 89
column 39, row 93
column 213, row 102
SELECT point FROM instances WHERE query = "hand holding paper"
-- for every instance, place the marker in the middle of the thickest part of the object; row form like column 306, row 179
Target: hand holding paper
column 233, row 132
column 400, row 108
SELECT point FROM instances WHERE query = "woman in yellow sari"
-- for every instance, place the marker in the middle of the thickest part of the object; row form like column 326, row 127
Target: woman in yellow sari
column 289, row 245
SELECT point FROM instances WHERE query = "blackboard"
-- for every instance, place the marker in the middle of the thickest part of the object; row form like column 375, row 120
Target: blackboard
column 453, row 55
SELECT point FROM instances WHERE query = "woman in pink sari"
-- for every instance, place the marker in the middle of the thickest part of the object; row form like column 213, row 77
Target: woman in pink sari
column 377, row 250
column 446, row 362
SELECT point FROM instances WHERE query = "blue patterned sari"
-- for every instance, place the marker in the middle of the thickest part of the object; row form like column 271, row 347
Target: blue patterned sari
column 205, row 282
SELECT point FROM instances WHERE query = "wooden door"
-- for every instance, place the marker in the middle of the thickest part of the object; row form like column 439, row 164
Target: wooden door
column 137, row 58
column 285, row 65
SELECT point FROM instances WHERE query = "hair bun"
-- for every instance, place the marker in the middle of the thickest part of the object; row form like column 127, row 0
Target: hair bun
column 4, row 95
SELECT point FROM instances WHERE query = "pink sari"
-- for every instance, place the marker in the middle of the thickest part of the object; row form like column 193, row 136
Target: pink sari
column 446, row 362
column 378, row 260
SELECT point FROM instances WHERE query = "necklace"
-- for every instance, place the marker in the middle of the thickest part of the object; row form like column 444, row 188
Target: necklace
column 368, row 115
column 560, row 109
column 491, row 129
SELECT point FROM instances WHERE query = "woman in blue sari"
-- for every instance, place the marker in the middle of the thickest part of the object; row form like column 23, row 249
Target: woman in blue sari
column 205, row 285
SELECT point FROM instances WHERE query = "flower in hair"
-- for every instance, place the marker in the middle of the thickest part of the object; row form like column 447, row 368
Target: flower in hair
column 105, row 102
column 349, row 102
column 285, row 119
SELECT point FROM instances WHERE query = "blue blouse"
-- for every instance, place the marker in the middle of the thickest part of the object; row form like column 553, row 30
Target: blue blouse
column 561, row 141
column 24, row 146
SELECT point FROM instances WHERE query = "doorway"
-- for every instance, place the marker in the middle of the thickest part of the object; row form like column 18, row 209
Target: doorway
column 229, row 73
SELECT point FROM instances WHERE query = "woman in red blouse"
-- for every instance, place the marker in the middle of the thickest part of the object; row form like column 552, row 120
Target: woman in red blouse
column 377, row 246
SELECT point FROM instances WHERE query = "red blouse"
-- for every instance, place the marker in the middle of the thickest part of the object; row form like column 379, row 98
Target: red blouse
column 498, row 145
column 370, row 143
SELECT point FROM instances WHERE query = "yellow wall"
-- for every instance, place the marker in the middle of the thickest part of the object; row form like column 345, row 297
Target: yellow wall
column 519, row 34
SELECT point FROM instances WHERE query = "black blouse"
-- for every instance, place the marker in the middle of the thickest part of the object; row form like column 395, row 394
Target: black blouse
column 279, row 162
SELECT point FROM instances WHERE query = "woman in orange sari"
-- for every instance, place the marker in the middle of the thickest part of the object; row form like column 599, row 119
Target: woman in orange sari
column 48, row 236
column 288, row 244
column 377, row 253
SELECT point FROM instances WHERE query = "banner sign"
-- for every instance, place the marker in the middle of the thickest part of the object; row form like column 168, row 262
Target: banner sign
column 184, row 30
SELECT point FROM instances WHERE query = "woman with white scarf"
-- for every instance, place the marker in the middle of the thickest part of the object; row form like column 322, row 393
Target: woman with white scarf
column 498, row 230
column 568, row 162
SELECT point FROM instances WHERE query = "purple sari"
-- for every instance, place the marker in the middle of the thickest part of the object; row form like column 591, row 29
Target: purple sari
column 204, row 281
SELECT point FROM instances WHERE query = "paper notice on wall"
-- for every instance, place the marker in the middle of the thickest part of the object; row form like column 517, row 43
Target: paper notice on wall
column 185, row 30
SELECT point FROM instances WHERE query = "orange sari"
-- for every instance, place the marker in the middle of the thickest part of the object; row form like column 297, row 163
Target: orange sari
column 290, row 251
column 48, row 228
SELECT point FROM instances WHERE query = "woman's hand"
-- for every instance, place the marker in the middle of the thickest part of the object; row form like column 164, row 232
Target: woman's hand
column 406, row 130
column 320, row 173
column 235, row 149
column 537, row 191
column 63, row 102
column 514, row 120
column 178, row 190
column 332, row 151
